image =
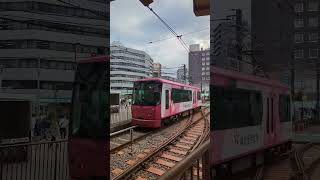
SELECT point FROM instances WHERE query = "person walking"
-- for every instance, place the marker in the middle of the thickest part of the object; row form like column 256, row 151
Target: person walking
column 54, row 127
column 63, row 123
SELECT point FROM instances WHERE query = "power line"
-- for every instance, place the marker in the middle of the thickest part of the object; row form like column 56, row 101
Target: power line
column 179, row 37
column 151, row 42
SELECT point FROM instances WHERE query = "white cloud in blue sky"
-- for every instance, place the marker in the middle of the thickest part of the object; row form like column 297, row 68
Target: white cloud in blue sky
column 134, row 26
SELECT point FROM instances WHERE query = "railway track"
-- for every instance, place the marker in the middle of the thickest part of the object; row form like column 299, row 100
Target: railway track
column 299, row 164
column 126, row 137
column 151, row 164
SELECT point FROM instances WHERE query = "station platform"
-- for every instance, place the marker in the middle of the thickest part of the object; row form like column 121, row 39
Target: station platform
column 310, row 134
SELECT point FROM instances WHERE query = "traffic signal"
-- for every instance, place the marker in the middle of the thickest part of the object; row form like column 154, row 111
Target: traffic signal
column 146, row 2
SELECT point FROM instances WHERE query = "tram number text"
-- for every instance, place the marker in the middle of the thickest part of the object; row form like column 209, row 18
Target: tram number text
column 246, row 140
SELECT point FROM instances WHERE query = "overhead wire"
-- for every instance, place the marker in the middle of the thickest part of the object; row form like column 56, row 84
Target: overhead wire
column 179, row 37
column 151, row 42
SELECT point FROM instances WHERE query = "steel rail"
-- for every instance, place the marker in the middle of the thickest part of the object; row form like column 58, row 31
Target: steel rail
column 133, row 168
column 130, row 171
column 176, row 171
column 113, row 150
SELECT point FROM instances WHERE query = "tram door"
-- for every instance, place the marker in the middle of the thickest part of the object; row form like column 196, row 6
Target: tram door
column 270, row 122
column 166, row 109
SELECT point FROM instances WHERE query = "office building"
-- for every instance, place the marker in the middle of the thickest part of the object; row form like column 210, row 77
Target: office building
column 126, row 66
column 182, row 75
column 306, row 47
column 41, row 42
column 199, row 68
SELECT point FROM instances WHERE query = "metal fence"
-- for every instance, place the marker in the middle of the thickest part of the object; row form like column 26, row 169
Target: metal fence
column 123, row 116
column 34, row 161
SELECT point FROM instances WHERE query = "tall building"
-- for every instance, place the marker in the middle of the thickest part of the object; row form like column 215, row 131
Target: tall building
column 126, row 66
column 199, row 68
column 306, row 47
column 257, row 37
column 194, row 47
column 41, row 41
column 169, row 78
column 182, row 75
column 156, row 70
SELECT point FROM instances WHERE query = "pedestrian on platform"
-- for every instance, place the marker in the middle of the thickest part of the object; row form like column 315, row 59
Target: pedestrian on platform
column 63, row 123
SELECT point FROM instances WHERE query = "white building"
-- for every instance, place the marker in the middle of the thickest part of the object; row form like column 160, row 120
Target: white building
column 41, row 41
column 126, row 66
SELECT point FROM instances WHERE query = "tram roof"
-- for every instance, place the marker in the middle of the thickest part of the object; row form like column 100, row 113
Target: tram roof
column 246, row 77
column 168, row 82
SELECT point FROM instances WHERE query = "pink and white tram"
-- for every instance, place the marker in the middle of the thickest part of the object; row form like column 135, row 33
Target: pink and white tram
column 251, row 118
column 156, row 100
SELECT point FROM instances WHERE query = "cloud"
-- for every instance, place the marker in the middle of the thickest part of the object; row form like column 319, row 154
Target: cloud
column 134, row 25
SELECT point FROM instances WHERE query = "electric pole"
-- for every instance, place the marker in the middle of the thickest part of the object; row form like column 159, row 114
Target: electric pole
column 238, row 35
column 184, row 73
column 318, row 88
column 292, row 83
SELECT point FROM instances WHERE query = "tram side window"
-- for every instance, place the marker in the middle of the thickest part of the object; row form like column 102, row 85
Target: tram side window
column 181, row 95
column 236, row 108
column 284, row 108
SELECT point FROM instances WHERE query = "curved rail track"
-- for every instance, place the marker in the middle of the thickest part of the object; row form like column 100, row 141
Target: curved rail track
column 126, row 137
column 152, row 164
column 300, row 163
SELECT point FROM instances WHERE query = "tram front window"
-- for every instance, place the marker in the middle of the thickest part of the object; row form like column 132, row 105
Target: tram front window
column 89, row 101
column 146, row 93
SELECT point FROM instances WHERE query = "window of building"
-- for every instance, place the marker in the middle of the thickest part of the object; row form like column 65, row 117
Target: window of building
column 203, row 59
column 208, row 63
column 299, row 23
column 298, row 7
column 313, row 5
column 207, row 58
column 299, row 53
column 203, row 69
column 203, row 54
column 313, row 21
column 207, row 73
column 203, row 73
column 208, row 78
column 208, row 53
column 313, row 53
column 313, row 36
column 208, row 68
column 298, row 37
column 203, row 78
column 20, row 84
column 203, row 63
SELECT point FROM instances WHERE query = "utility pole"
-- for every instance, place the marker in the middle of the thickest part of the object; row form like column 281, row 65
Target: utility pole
column 238, row 35
column 292, row 83
column 318, row 88
column 184, row 74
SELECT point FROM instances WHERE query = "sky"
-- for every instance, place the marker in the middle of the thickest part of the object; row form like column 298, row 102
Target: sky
column 135, row 26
